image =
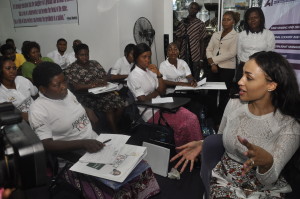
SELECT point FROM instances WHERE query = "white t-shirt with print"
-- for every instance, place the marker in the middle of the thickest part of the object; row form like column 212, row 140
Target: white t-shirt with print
column 60, row 119
column 140, row 83
column 171, row 73
column 21, row 96
column 121, row 67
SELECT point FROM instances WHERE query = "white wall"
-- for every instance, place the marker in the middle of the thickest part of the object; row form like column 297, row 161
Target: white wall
column 105, row 25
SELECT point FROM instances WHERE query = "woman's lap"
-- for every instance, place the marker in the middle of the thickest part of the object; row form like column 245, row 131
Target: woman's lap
column 184, row 123
column 104, row 102
column 142, row 186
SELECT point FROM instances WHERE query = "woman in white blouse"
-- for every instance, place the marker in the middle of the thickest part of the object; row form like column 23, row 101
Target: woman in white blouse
column 254, row 38
column 145, row 82
column 261, row 132
column 176, row 72
column 15, row 89
column 221, row 56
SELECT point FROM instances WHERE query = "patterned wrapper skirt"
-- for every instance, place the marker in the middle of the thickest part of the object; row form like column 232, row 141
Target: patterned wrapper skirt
column 141, row 187
column 227, row 182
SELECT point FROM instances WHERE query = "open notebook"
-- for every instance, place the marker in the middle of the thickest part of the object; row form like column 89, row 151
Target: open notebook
column 101, row 164
column 103, row 89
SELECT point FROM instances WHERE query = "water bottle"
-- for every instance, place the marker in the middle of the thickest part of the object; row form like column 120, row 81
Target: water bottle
column 203, row 123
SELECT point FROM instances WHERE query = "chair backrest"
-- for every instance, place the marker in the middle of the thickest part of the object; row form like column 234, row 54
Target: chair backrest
column 212, row 152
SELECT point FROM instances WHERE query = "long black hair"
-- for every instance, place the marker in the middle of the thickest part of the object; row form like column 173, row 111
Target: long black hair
column 286, row 96
column 139, row 49
column 261, row 19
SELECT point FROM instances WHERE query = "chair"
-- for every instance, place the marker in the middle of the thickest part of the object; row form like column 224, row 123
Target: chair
column 212, row 152
column 58, row 188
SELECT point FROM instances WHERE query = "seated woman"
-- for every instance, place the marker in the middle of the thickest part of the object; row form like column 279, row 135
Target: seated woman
column 62, row 125
column 15, row 89
column 32, row 53
column 145, row 82
column 122, row 67
column 261, row 132
column 84, row 74
column 175, row 71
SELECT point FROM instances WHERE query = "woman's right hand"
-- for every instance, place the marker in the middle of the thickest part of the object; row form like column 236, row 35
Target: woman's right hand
column 189, row 152
column 214, row 68
column 91, row 145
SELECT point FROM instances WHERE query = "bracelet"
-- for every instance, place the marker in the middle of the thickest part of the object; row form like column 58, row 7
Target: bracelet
column 212, row 64
column 159, row 76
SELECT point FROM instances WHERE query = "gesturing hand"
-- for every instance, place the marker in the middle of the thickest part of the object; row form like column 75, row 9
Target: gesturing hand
column 257, row 157
column 189, row 152
column 91, row 145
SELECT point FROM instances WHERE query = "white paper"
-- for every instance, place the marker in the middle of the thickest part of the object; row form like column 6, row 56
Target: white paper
column 109, row 151
column 126, row 161
column 158, row 158
column 207, row 85
column 103, row 89
column 160, row 100
column 203, row 81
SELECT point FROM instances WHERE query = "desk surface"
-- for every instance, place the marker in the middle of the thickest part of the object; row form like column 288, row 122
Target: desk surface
column 206, row 86
column 177, row 102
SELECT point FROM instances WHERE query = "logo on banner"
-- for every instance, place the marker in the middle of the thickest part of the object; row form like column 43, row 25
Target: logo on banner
column 274, row 2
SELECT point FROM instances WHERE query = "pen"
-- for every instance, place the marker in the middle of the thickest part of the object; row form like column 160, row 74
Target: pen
column 106, row 141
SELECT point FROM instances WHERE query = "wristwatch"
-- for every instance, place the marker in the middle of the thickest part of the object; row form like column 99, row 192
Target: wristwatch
column 159, row 76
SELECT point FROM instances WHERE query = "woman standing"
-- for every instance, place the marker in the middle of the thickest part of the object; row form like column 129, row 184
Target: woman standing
column 15, row 89
column 84, row 74
column 261, row 132
column 254, row 38
column 221, row 56
column 146, row 82
column 32, row 53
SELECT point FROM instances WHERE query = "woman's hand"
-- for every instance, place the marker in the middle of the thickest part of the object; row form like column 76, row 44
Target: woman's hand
column 214, row 68
column 257, row 157
column 154, row 69
column 99, row 83
column 189, row 152
column 191, row 84
column 210, row 61
column 91, row 145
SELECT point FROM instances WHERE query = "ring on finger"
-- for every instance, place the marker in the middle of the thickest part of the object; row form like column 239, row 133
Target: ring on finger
column 252, row 162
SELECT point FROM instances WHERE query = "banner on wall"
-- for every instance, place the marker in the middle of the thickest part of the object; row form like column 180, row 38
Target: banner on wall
column 283, row 19
column 43, row 12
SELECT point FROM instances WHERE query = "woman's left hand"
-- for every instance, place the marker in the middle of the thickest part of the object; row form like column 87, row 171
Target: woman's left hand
column 257, row 157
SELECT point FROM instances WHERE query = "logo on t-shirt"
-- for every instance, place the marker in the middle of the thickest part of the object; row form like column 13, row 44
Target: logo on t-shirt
column 24, row 106
column 81, row 122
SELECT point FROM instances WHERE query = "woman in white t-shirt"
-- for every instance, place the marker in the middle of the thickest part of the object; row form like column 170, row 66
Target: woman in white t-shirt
column 145, row 82
column 122, row 67
column 63, row 125
column 15, row 89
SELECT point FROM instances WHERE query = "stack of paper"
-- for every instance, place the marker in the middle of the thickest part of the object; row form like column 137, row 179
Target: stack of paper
column 104, row 89
column 201, row 85
column 114, row 162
